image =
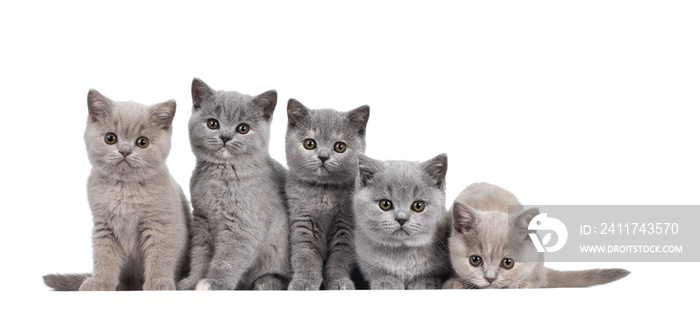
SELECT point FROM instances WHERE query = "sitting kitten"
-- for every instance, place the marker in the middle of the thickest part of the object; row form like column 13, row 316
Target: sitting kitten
column 139, row 212
column 240, row 226
column 322, row 148
column 479, row 246
column 402, row 225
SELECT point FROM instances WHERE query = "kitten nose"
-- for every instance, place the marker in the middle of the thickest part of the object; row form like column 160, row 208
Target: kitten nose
column 323, row 158
column 225, row 139
column 125, row 153
column 401, row 221
column 490, row 280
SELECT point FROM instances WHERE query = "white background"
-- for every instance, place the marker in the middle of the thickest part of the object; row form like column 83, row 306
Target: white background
column 587, row 102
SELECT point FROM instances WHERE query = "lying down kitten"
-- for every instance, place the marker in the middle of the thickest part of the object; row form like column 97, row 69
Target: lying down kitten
column 479, row 243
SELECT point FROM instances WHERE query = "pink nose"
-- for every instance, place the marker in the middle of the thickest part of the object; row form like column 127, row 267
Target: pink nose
column 125, row 153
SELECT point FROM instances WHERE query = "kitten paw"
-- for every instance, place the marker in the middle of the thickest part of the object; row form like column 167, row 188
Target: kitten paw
column 206, row 285
column 454, row 284
column 341, row 284
column 187, row 284
column 92, row 284
column 522, row 285
column 159, row 284
column 269, row 282
column 387, row 283
column 424, row 284
column 304, row 285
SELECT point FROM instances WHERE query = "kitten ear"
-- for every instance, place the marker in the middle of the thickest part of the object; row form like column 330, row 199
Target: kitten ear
column 99, row 106
column 368, row 169
column 266, row 101
column 162, row 114
column 201, row 92
column 523, row 220
column 296, row 112
column 358, row 118
column 464, row 217
column 436, row 169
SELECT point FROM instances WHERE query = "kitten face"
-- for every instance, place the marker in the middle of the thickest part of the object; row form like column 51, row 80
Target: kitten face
column 479, row 247
column 226, row 125
column 400, row 202
column 322, row 145
column 127, row 140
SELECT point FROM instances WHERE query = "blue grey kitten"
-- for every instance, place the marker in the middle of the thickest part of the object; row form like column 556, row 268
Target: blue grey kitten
column 401, row 223
column 482, row 256
column 139, row 212
column 322, row 148
column 240, row 225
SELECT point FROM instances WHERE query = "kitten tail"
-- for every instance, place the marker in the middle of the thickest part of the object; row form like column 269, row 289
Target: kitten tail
column 583, row 278
column 65, row 282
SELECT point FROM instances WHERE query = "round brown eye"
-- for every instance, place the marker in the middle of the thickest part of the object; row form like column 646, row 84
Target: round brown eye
column 243, row 128
column 142, row 142
column 310, row 144
column 339, row 147
column 507, row 263
column 385, row 205
column 475, row 260
column 110, row 138
column 418, row 206
column 213, row 124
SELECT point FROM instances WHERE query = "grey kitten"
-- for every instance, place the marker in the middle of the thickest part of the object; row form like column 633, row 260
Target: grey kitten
column 401, row 223
column 240, row 225
column 322, row 148
column 480, row 253
column 139, row 212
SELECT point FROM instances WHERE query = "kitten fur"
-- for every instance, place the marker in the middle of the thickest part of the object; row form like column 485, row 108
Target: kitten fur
column 480, row 227
column 139, row 212
column 240, row 235
column 400, row 247
column 319, row 188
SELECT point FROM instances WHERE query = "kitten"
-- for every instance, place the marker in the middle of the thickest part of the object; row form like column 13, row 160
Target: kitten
column 322, row 148
column 240, row 225
column 139, row 212
column 479, row 246
column 402, row 225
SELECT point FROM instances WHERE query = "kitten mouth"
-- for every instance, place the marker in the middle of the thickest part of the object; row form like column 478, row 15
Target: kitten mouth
column 123, row 161
column 401, row 232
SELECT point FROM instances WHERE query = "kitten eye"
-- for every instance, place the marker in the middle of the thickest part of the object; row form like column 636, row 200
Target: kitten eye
column 142, row 142
column 418, row 206
column 385, row 205
column 507, row 263
column 213, row 124
column 310, row 144
column 339, row 147
column 110, row 138
column 475, row 261
column 243, row 128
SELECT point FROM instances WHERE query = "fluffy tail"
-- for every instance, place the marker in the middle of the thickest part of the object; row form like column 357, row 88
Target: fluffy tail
column 583, row 278
column 65, row 282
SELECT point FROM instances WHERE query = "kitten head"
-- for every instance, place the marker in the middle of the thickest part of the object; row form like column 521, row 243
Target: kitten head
column 480, row 250
column 322, row 145
column 127, row 140
column 227, row 126
column 400, row 202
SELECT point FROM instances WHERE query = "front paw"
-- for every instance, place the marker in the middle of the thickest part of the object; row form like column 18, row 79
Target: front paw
column 522, row 285
column 304, row 285
column 340, row 284
column 454, row 284
column 187, row 284
column 269, row 283
column 93, row 284
column 387, row 283
column 424, row 284
column 159, row 284
column 210, row 284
